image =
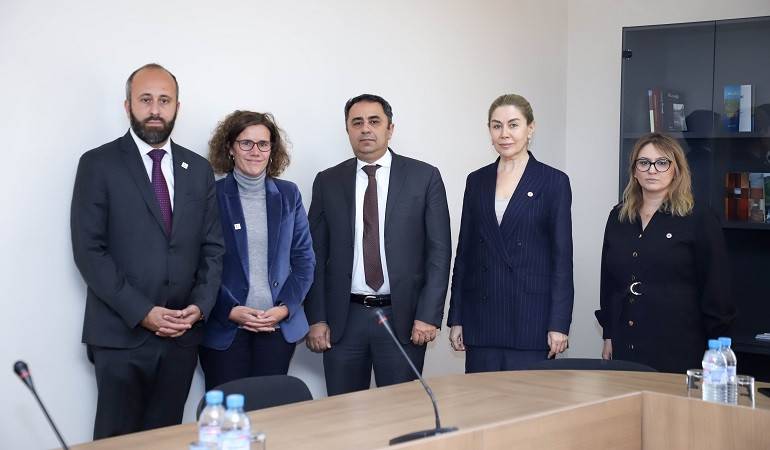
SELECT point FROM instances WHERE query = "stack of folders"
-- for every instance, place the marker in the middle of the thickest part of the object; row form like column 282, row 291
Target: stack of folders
column 763, row 337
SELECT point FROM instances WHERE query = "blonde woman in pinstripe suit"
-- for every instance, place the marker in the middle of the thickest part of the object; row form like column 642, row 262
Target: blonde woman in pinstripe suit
column 512, row 288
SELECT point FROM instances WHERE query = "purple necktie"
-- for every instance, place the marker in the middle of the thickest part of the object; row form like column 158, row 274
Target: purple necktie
column 371, row 239
column 160, row 188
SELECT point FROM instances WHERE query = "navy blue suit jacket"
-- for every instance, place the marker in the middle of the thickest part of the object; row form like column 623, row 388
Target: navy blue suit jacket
column 512, row 283
column 290, row 259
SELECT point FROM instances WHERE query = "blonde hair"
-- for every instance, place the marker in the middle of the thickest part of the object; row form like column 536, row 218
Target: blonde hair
column 515, row 100
column 679, row 200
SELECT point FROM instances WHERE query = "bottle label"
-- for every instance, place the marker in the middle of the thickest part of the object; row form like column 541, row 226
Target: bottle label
column 236, row 440
column 716, row 375
column 209, row 434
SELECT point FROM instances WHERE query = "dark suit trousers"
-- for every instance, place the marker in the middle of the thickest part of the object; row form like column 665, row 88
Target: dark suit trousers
column 250, row 355
column 365, row 345
column 495, row 359
column 141, row 388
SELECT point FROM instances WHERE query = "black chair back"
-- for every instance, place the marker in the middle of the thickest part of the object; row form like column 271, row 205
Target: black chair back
column 590, row 364
column 264, row 392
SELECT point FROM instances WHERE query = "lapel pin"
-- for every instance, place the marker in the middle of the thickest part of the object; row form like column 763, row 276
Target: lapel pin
column 530, row 194
column 185, row 165
column 237, row 226
column 668, row 235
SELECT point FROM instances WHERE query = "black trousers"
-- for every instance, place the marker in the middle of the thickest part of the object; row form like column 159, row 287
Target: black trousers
column 250, row 355
column 366, row 345
column 495, row 359
column 141, row 388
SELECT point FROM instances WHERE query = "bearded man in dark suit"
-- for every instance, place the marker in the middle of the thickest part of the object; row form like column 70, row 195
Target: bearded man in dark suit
column 147, row 240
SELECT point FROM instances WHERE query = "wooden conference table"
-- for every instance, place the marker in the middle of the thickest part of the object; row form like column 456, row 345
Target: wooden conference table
column 368, row 419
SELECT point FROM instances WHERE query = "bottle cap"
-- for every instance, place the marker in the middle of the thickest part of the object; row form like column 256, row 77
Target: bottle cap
column 726, row 341
column 214, row 397
column 713, row 345
column 234, row 401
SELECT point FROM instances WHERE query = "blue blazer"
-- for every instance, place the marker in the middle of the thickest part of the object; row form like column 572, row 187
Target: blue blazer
column 512, row 283
column 290, row 260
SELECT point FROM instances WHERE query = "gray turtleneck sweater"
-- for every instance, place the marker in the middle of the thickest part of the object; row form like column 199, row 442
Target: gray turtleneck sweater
column 252, row 194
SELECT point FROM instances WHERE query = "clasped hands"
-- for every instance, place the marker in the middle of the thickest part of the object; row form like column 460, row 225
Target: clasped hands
column 257, row 320
column 172, row 323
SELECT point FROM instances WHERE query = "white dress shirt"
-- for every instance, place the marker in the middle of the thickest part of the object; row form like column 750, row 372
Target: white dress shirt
column 166, row 164
column 382, row 175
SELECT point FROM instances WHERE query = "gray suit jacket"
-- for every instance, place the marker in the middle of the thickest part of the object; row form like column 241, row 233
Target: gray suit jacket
column 122, row 252
column 418, row 245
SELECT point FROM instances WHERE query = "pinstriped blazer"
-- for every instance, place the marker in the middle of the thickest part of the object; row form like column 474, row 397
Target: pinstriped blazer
column 512, row 283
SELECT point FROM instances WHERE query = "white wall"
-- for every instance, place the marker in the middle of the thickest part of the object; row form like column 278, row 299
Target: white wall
column 440, row 64
column 593, row 123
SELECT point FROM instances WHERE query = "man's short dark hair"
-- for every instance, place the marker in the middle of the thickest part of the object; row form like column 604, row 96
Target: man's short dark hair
column 372, row 99
column 149, row 66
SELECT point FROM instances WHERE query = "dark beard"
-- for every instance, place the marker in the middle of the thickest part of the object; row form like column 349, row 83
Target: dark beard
column 152, row 136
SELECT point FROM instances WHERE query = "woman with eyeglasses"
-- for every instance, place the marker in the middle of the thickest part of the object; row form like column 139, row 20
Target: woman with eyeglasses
column 664, row 272
column 512, row 289
column 269, row 261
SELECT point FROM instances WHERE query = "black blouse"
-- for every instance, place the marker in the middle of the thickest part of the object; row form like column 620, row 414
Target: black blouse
column 678, row 267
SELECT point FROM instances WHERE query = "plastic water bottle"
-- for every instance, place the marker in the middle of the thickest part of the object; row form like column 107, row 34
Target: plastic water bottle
column 236, row 428
column 732, row 368
column 212, row 416
column 714, row 374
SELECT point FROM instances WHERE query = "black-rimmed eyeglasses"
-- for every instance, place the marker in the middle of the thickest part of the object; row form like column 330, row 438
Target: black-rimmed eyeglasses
column 661, row 165
column 246, row 145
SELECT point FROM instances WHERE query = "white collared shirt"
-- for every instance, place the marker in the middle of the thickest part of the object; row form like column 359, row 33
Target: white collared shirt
column 382, row 175
column 166, row 164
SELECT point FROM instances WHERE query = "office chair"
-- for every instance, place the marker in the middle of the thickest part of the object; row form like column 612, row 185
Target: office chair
column 264, row 392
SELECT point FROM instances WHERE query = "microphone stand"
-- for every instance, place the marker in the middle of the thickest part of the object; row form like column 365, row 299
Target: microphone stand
column 383, row 320
column 20, row 367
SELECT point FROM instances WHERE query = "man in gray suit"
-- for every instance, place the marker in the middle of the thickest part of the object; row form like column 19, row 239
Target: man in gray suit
column 380, row 228
column 147, row 239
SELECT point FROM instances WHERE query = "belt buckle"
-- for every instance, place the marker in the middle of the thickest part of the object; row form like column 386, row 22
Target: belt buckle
column 368, row 298
column 632, row 286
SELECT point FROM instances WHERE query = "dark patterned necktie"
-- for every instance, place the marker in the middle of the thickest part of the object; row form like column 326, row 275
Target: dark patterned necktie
column 160, row 188
column 371, row 239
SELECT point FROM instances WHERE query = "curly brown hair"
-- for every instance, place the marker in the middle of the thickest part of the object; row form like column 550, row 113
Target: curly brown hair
column 227, row 132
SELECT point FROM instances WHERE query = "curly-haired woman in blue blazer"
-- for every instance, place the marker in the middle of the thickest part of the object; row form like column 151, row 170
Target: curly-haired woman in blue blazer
column 512, row 289
column 269, row 261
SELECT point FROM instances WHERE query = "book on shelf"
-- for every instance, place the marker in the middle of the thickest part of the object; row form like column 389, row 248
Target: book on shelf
column 767, row 197
column 738, row 100
column 673, row 112
column 757, row 197
column 653, row 101
column 666, row 110
column 747, row 197
column 736, row 200
column 745, row 122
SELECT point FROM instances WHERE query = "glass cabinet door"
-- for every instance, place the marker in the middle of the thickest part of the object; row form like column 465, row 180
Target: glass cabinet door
column 667, row 85
column 742, row 103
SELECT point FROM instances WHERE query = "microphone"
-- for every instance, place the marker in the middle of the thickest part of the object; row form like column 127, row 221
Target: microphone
column 383, row 320
column 21, row 369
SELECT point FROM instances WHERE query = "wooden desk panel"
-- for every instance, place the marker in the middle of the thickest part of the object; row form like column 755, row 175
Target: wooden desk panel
column 368, row 419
